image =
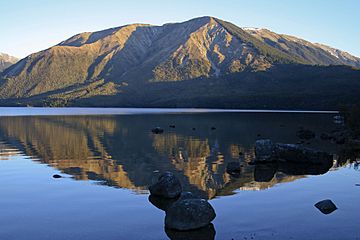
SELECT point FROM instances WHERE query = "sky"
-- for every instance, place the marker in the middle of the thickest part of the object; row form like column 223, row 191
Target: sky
column 28, row 26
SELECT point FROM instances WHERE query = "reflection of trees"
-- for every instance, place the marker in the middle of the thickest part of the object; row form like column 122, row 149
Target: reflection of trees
column 120, row 151
column 58, row 138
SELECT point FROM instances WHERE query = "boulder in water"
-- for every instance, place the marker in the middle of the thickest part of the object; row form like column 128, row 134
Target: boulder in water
column 189, row 214
column 267, row 151
column 167, row 186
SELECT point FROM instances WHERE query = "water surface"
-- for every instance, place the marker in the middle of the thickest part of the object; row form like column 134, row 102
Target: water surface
column 108, row 162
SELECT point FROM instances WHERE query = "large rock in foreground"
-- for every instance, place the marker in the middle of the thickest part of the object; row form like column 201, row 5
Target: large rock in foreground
column 189, row 214
column 267, row 151
column 167, row 186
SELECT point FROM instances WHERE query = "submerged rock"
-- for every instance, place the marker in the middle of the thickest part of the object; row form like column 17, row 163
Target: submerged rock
column 189, row 214
column 157, row 130
column 171, row 126
column 326, row 206
column 167, row 186
column 57, row 176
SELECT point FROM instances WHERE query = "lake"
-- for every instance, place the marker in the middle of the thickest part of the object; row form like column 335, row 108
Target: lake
column 109, row 157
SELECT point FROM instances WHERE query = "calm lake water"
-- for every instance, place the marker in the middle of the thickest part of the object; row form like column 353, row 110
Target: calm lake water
column 108, row 161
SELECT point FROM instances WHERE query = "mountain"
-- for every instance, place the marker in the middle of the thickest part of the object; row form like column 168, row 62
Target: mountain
column 142, row 65
column 311, row 53
column 6, row 61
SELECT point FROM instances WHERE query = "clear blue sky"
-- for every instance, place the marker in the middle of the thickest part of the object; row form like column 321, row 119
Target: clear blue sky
column 28, row 26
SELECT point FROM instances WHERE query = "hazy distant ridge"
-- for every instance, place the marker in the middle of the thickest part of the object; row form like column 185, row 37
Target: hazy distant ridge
column 6, row 61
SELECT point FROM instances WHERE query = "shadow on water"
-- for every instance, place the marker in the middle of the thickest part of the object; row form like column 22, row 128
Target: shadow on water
column 266, row 172
column 121, row 151
column 205, row 233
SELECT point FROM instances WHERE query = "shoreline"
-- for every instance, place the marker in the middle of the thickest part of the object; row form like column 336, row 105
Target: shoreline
column 75, row 111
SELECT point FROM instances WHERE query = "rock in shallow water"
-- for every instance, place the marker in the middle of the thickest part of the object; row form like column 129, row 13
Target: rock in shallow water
column 167, row 186
column 57, row 176
column 264, row 150
column 165, row 203
column 157, row 130
column 297, row 153
column 326, row 206
column 267, row 151
column 189, row 214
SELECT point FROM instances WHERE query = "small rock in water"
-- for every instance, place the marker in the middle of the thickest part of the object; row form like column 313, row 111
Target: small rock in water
column 193, row 129
column 171, row 126
column 189, row 214
column 213, row 128
column 57, row 176
column 358, row 184
column 326, row 206
column 157, row 130
column 167, row 186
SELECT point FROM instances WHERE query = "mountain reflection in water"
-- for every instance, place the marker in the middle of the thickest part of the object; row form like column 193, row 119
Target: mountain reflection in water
column 121, row 151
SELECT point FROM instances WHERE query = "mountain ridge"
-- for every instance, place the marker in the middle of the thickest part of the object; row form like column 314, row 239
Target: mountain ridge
column 6, row 61
column 126, row 60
